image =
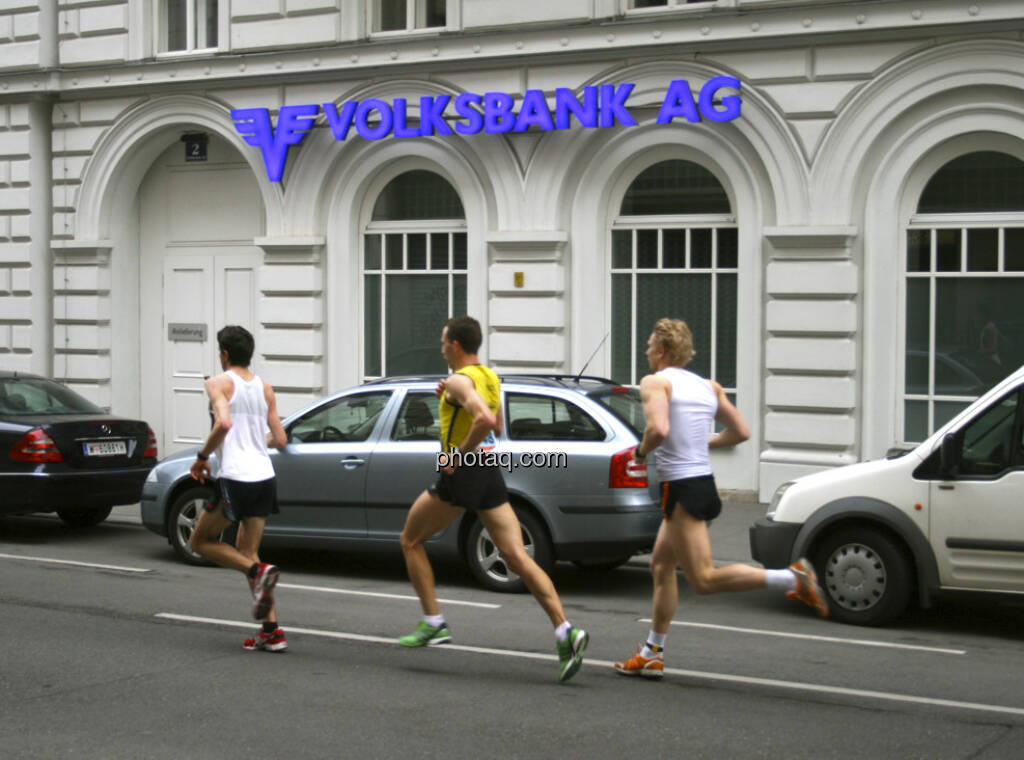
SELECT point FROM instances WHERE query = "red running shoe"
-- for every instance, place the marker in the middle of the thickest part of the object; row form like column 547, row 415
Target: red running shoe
column 267, row 642
column 263, row 590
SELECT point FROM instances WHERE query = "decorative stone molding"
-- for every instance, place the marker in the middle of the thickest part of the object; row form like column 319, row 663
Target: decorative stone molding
column 81, row 316
column 811, row 352
column 527, row 310
column 787, row 242
column 291, row 313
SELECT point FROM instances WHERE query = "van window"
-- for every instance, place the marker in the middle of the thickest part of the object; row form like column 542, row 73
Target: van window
column 990, row 446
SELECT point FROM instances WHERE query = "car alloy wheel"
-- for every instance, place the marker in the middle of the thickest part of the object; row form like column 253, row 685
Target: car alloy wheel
column 490, row 561
column 490, row 567
column 181, row 522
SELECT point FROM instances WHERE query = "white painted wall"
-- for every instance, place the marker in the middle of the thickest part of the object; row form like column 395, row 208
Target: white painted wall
column 845, row 113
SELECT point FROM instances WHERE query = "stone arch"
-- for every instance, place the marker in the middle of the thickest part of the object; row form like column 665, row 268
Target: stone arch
column 945, row 80
column 599, row 190
column 322, row 161
column 106, row 223
column 127, row 150
column 349, row 193
column 926, row 111
column 760, row 137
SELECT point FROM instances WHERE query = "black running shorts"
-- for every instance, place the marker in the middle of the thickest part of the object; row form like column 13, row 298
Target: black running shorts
column 240, row 499
column 473, row 487
column 698, row 496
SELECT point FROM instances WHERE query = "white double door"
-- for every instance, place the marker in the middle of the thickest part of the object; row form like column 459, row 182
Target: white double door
column 202, row 292
column 198, row 272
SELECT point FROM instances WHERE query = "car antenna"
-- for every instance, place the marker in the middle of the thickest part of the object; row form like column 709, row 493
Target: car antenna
column 587, row 363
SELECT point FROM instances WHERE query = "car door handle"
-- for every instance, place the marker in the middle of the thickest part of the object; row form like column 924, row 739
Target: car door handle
column 352, row 462
column 945, row 486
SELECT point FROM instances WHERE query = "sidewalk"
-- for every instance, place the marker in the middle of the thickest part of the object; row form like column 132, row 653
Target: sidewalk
column 730, row 532
column 730, row 538
column 129, row 513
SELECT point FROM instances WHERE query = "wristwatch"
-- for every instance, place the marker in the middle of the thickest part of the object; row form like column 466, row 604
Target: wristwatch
column 637, row 454
column 201, row 457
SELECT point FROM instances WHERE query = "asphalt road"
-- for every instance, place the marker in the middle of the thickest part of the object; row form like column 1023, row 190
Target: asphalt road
column 131, row 654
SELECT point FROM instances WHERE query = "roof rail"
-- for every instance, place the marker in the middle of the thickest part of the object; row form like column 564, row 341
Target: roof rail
column 564, row 379
column 557, row 377
column 402, row 379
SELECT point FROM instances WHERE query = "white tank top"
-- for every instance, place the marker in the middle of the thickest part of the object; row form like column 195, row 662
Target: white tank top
column 243, row 454
column 691, row 413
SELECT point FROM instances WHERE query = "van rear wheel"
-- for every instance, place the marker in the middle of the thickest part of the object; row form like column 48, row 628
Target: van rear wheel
column 865, row 574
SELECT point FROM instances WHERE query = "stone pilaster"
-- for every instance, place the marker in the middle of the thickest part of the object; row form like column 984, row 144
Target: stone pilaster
column 527, row 308
column 290, row 343
column 81, row 317
column 811, row 353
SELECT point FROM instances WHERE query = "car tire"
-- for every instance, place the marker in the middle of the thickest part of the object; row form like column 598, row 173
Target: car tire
column 487, row 564
column 181, row 521
column 865, row 574
column 601, row 565
column 84, row 518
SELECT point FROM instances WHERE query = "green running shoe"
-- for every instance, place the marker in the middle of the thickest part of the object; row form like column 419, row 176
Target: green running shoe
column 570, row 653
column 426, row 635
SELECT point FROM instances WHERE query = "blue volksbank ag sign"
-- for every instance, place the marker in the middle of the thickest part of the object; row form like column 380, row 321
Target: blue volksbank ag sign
column 601, row 106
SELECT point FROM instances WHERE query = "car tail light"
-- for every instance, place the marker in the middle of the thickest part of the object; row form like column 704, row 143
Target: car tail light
column 36, row 446
column 150, row 445
column 627, row 472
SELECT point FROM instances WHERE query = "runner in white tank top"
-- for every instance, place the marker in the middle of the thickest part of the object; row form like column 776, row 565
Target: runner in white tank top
column 680, row 408
column 244, row 409
column 243, row 453
column 692, row 407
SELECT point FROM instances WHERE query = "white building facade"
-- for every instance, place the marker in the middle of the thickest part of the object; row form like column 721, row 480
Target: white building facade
column 839, row 215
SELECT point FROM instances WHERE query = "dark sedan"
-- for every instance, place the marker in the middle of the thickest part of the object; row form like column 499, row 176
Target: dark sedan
column 61, row 453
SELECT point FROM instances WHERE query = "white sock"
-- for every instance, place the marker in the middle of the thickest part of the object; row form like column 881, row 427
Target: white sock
column 436, row 621
column 781, row 579
column 562, row 631
column 657, row 640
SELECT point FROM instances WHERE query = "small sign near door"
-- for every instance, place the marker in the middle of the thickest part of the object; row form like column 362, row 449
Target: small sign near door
column 187, row 332
column 195, row 146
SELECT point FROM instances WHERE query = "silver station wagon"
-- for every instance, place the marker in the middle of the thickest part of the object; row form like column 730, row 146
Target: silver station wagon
column 357, row 459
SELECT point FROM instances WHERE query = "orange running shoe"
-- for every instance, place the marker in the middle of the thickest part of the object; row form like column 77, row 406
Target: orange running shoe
column 807, row 589
column 645, row 667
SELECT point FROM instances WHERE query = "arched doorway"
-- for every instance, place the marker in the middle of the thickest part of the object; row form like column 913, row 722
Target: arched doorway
column 198, row 271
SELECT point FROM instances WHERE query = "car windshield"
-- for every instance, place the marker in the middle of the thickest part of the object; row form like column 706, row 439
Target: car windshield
column 21, row 396
column 624, row 403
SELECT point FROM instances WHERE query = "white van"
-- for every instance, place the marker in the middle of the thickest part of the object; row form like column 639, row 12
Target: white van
column 945, row 516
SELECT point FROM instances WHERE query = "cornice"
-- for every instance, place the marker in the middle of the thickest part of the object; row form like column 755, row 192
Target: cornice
column 685, row 31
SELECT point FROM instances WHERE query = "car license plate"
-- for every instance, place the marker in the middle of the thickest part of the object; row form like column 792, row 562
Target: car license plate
column 105, row 448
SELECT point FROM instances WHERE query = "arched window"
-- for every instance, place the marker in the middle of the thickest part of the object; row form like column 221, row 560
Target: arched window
column 964, row 288
column 674, row 254
column 414, row 274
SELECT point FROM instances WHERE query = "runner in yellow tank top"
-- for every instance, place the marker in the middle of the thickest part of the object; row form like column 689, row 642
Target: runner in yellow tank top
column 488, row 386
column 470, row 415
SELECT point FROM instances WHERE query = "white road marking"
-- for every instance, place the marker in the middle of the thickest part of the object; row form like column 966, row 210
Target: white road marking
column 884, row 696
column 810, row 637
column 77, row 564
column 404, row 597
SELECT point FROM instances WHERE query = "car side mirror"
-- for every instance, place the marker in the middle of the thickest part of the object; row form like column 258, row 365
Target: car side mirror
column 949, row 454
